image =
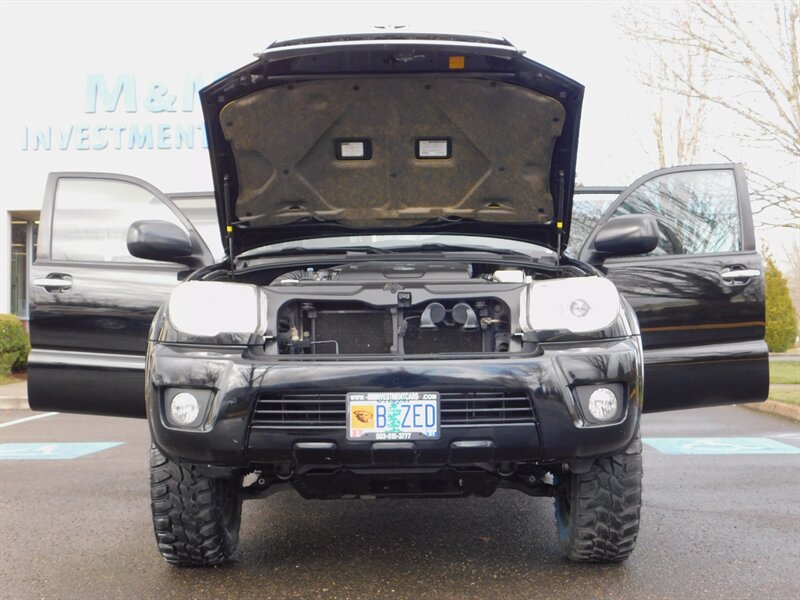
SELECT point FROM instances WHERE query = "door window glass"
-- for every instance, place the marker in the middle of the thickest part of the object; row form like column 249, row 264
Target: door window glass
column 91, row 219
column 587, row 208
column 697, row 211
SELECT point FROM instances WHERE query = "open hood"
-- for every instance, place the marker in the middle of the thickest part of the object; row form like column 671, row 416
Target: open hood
column 392, row 133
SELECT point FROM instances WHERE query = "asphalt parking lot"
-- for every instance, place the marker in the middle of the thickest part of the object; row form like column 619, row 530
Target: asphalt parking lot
column 719, row 525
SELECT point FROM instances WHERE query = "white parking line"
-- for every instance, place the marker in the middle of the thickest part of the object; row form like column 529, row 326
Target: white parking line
column 26, row 419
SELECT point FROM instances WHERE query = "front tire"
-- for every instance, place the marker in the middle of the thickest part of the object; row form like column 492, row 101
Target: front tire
column 597, row 512
column 196, row 518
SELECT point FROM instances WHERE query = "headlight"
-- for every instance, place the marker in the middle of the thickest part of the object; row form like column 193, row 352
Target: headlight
column 577, row 304
column 211, row 308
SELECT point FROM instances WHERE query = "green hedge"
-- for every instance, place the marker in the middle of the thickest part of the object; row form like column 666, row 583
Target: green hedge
column 14, row 345
column 781, row 319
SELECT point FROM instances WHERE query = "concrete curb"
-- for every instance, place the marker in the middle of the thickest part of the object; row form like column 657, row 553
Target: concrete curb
column 13, row 402
column 787, row 411
column 14, row 395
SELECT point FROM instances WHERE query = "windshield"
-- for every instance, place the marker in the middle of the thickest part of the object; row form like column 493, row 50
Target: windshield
column 201, row 211
column 403, row 241
column 587, row 208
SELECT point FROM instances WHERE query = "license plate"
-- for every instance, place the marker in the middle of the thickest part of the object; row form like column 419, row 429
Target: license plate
column 392, row 416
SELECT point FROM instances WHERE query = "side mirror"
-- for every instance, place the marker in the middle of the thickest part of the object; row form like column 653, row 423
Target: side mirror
column 160, row 240
column 627, row 235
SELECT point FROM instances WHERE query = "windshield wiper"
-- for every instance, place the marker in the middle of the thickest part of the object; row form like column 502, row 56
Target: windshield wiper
column 355, row 250
column 297, row 250
column 439, row 247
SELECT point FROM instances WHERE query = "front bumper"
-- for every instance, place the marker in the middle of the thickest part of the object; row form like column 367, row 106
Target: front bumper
column 548, row 378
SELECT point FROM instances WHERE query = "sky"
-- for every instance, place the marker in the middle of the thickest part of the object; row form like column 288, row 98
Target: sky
column 44, row 45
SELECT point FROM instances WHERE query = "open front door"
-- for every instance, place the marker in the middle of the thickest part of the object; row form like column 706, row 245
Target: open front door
column 91, row 301
column 699, row 295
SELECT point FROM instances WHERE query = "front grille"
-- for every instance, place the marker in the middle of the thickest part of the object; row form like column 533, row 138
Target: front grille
column 485, row 408
column 300, row 411
column 493, row 408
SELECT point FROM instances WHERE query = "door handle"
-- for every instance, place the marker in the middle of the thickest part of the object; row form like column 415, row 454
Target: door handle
column 54, row 282
column 736, row 275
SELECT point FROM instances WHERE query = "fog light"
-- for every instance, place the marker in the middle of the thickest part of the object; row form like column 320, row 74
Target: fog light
column 602, row 404
column 184, row 408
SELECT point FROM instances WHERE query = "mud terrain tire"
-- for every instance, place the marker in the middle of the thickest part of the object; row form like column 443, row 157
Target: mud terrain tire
column 597, row 512
column 196, row 518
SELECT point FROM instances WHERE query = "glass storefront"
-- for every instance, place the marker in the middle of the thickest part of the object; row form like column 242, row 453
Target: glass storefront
column 23, row 252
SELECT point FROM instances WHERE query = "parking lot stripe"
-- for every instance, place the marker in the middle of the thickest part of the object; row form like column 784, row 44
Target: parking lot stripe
column 26, row 419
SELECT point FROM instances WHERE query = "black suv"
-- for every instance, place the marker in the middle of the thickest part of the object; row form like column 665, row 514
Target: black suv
column 395, row 313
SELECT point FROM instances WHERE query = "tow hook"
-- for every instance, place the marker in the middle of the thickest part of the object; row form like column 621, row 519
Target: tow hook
column 284, row 472
column 505, row 469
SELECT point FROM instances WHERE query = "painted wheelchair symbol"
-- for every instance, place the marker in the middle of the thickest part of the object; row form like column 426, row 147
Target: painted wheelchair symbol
column 722, row 447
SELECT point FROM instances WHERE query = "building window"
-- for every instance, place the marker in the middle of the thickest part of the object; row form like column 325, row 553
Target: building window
column 23, row 252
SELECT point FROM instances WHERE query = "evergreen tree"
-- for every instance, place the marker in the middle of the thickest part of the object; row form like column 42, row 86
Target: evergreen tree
column 781, row 319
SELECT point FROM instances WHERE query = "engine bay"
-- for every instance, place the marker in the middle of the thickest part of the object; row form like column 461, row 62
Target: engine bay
column 393, row 307
column 437, row 327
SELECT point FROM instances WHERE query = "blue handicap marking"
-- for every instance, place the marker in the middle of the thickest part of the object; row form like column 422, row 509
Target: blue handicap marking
column 52, row 451
column 720, row 445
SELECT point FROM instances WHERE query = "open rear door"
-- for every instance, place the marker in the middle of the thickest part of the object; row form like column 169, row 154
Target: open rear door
column 91, row 301
column 699, row 295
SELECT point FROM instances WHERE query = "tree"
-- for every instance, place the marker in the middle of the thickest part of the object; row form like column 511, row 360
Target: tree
column 793, row 274
column 14, row 345
column 678, row 120
column 781, row 318
column 743, row 61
